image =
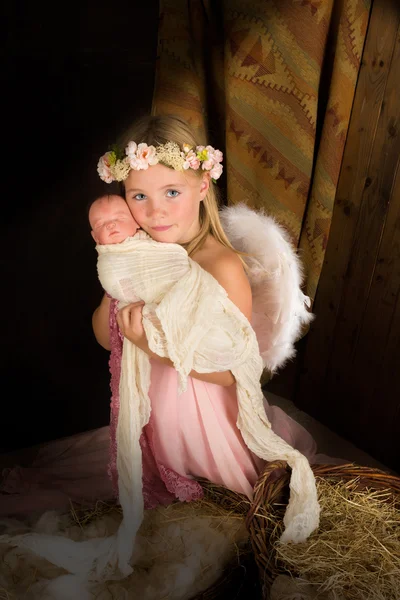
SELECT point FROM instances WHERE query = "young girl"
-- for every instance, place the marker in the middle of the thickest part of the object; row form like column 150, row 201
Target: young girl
column 192, row 434
column 201, row 415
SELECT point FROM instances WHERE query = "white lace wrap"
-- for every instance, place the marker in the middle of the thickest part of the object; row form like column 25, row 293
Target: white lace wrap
column 189, row 318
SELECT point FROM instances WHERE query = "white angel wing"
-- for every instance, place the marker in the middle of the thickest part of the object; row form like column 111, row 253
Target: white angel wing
column 275, row 274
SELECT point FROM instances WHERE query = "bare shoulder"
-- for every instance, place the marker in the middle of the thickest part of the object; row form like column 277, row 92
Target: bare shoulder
column 214, row 256
column 227, row 268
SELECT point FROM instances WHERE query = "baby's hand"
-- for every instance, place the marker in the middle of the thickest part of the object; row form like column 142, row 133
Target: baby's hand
column 129, row 321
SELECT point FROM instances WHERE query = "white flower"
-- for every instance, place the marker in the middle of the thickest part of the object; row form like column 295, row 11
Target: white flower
column 130, row 150
column 120, row 170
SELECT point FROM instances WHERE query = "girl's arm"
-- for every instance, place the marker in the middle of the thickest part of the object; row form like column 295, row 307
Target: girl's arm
column 223, row 378
column 129, row 321
column 100, row 321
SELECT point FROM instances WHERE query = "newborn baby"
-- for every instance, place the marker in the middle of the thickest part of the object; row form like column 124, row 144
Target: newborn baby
column 111, row 220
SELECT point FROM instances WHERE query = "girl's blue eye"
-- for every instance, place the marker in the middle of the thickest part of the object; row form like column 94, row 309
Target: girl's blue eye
column 172, row 193
column 139, row 197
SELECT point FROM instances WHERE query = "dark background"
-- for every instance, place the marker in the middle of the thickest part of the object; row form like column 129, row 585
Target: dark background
column 72, row 79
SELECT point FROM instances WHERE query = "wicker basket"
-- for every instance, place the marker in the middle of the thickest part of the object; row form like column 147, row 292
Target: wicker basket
column 271, row 494
column 252, row 575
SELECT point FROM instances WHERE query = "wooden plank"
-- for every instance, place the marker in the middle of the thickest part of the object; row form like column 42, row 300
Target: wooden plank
column 384, row 409
column 353, row 177
column 358, row 332
column 383, row 441
column 377, row 326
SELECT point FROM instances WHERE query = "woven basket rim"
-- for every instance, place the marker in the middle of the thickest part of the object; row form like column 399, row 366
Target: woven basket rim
column 271, row 496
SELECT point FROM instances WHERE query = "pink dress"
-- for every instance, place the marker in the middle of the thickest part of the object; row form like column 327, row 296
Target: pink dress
column 193, row 434
column 188, row 436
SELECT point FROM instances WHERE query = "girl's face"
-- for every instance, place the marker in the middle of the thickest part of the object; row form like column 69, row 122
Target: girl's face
column 166, row 203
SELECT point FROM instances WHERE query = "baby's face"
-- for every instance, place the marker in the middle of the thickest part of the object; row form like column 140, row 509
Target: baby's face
column 111, row 220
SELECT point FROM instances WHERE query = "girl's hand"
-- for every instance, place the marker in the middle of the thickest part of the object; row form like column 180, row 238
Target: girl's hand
column 129, row 320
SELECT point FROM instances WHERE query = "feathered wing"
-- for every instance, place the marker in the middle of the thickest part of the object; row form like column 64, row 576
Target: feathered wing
column 280, row 309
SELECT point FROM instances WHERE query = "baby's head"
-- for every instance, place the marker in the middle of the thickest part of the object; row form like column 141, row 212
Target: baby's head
column 111, row 220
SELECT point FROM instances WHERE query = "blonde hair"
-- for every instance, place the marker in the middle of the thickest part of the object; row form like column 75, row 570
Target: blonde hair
column 155, row 130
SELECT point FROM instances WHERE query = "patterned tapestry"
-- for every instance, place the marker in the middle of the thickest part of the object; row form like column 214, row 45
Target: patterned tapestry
column 271, row 83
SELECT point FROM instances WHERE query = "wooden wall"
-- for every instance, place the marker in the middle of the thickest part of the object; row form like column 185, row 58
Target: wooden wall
column 348, row 373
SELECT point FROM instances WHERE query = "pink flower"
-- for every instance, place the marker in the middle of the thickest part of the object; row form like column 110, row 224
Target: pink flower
column 207, row 165
column 135, row 164
column 209, row 157
column 191, row 160
column 147, row 154
column 141, row 156
column 215, row 155
column 218, row 156
column 104, row 166
column 216, row 171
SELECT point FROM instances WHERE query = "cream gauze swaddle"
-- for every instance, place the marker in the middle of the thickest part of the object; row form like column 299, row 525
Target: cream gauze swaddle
column 189, row 318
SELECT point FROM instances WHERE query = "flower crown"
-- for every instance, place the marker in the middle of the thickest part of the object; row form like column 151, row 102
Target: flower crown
column 111, row 167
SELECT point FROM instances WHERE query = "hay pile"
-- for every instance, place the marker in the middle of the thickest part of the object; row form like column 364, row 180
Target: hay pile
column 355, row 554
column 181, row 550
